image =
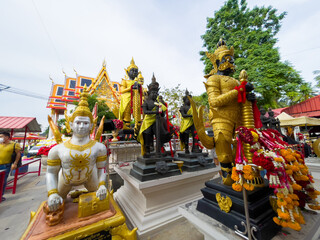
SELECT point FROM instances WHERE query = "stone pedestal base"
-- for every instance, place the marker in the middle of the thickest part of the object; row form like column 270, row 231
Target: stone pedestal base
column 214, row 230
column 260, row 211
column 195, row 161
column 152, row 205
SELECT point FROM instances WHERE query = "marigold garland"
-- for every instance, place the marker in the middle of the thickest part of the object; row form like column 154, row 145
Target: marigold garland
column 286, row 172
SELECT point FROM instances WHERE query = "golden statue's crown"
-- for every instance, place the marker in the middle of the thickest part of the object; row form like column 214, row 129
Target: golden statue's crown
column 223, row 50
column 81, row 110
column 132, row 65
column 83, row 107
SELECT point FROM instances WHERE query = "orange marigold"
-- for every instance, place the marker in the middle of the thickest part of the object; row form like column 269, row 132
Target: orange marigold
column 248, row 187
column 237, row 187
column 294, row 225
column 276, row 220
column 235, row 176
column 281, row 202
column 296, row 187
column 284, row 215
column 278, row 159
column 314, row 207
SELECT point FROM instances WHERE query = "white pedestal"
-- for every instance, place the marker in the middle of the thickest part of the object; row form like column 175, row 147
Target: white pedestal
column 151, row 205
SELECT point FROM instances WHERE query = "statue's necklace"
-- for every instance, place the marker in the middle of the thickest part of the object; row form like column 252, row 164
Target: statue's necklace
column 80, row 148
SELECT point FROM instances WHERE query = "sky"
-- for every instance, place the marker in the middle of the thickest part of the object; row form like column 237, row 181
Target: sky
column 39, row 38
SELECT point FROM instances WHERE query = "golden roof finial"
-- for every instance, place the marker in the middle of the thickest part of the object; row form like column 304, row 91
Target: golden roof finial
column 104, row 63
column 64, row 72
column 51, row 79
column 75, row 71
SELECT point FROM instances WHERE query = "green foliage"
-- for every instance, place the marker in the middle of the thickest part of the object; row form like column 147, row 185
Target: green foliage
column 103, row 109
column 317, row 77
column 252, row 34
column 201, row 100
column 173, row 97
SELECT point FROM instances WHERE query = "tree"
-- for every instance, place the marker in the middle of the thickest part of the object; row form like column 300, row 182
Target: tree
column 252, row 34
column 173, row 97
column 317, row 77
column 103, row 109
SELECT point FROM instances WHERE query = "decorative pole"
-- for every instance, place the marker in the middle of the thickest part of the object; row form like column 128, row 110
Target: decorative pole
column 247, row 117
column 248, row 122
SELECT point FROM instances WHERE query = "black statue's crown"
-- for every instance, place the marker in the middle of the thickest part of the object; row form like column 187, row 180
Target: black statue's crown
column 186, row 95
column 154, row 85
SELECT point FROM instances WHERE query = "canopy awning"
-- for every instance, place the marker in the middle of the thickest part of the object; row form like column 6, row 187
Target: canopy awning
column 300, row 121
column 19, row 124
column 284, row 116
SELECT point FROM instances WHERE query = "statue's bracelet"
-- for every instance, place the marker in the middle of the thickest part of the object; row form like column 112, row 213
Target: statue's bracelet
column 102, row 183
column 52, row 191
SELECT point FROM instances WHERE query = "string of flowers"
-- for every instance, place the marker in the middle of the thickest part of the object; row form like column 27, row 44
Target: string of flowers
column 242, row 173
column 45, row 150
column 118, row 123
column 286, row 171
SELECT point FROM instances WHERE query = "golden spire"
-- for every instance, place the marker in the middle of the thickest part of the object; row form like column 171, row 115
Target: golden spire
column 104, row 63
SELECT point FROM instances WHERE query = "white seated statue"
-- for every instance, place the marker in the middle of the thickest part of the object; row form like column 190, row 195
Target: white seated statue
column 79, row 161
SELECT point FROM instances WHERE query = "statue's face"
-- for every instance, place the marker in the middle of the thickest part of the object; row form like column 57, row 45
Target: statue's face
column 271, row 114
column 154, row 95
column 133, row 73
column 227, row 64
column 186, row 101
column 263, row 111
column 81, row 126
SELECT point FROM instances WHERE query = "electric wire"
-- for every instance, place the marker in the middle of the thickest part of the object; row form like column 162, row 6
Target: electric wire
column 48, row 34
column 22, row 92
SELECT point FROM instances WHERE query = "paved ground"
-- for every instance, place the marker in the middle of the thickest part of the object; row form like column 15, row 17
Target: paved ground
column 31, row 191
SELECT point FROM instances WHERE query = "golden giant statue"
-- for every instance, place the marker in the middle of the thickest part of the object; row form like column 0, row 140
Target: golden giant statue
column 126, row 93
column 222, row 90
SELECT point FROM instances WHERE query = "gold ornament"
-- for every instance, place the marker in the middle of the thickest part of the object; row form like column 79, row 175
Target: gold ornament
column 52, row 191
column 90, row 204
column 225, row 203
column 102, row 183
column 79, row 148
column 79, row 163
column 100, row 130
column 55, row 130
column 53, row 162
column 206, row 141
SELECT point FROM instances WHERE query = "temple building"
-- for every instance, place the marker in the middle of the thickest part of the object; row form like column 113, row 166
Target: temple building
column 62, row 96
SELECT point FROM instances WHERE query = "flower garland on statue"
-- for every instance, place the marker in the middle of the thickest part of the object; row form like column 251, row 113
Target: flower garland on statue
column 243, row 172
column 286, row 171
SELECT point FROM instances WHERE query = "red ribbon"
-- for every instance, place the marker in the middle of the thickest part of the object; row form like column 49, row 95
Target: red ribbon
column 241, row 92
